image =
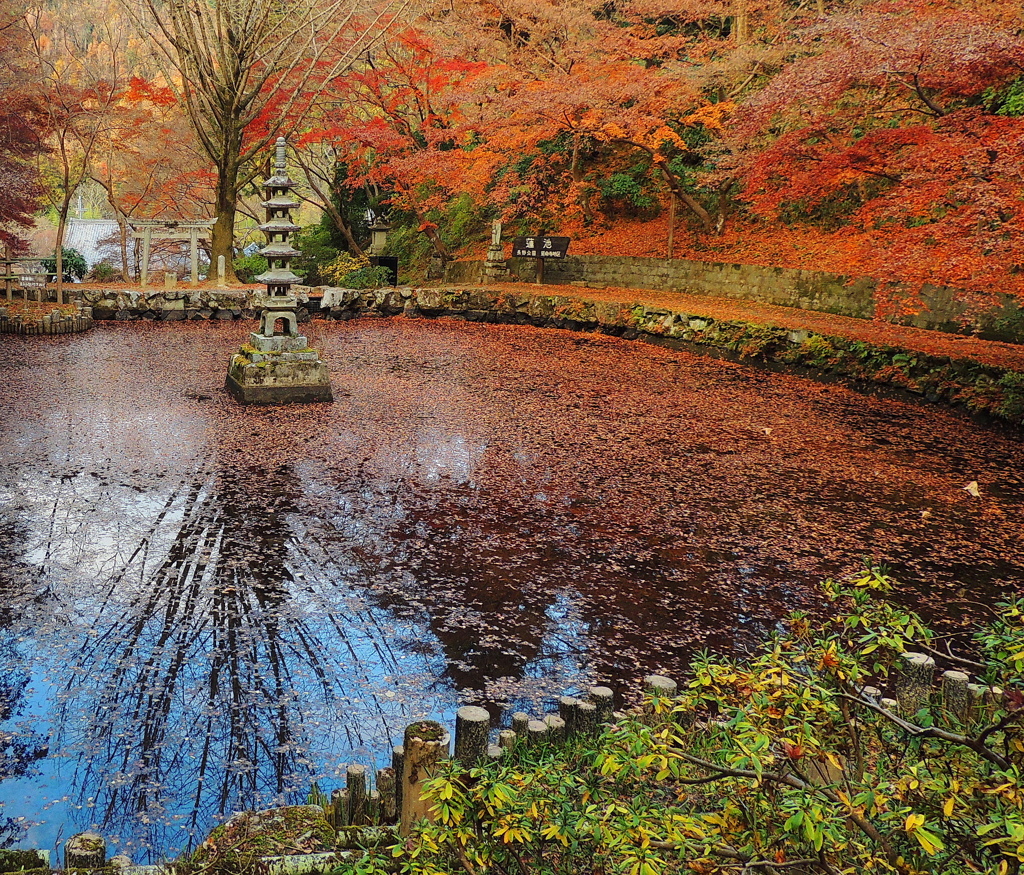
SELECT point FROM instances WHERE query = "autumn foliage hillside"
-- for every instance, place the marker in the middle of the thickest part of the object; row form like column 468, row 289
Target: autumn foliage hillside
column 867, row 138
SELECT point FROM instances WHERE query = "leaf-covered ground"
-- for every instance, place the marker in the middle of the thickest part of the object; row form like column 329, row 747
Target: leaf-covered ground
column 208, row 606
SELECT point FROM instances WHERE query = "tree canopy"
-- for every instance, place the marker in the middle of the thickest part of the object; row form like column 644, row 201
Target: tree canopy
column 883, row 138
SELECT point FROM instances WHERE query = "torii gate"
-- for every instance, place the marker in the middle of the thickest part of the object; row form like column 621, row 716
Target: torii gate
column 162, row 229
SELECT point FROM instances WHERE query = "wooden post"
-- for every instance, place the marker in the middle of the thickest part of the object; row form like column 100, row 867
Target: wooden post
column 507, row 739
column 147, row 242
column 398, row 765
column 355, row 783
column 339, row 805
column 426, row 745
column 657, row 686
column 87, row 850
column 536, row 732
column 956, row 702
column 567, row 711
column 520, row 723
column 587, row 723
column 556, row 729
column 472, row 727
column 540, row 271
column 604, row 699
column 193, row 253
column 915, row 673
column 386, row 789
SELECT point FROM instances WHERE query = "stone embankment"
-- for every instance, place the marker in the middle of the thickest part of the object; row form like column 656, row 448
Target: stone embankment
column 964, row 380
column 926, row 305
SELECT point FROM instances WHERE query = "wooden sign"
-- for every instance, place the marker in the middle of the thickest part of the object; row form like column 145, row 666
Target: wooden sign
column 540, row 247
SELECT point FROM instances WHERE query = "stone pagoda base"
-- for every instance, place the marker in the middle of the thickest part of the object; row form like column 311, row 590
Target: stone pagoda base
column 278, row 370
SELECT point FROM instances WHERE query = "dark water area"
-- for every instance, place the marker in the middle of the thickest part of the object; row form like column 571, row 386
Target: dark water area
column 207, row 607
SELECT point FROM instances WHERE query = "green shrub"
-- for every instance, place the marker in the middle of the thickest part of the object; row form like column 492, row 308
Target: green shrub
column 248, row 267
column 318, row 250
column 73, row 264
column 779, row 762
column 369, row 277
column 103, row 273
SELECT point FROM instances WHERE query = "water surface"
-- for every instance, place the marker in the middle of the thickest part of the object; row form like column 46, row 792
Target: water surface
column 207, row 607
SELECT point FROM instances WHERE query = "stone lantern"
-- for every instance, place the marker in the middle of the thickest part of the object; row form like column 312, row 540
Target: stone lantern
column 378, row 236
column 278, row 368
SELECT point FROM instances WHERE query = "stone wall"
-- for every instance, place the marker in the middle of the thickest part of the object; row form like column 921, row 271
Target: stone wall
column 168, row 305
column 937, row 307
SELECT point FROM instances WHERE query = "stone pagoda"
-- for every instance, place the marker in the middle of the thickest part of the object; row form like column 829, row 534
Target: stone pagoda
column 278, row 367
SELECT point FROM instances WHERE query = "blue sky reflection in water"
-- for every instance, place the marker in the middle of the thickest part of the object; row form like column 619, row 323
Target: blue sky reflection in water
column 207, row 607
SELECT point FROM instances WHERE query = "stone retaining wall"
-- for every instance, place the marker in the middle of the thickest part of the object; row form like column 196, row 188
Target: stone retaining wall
column 168, row 305
column 938, row 307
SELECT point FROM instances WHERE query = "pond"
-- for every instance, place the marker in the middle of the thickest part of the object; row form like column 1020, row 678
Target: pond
column 208, row 607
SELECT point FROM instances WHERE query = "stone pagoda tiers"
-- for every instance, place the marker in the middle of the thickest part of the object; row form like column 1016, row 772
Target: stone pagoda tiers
column 278, row 367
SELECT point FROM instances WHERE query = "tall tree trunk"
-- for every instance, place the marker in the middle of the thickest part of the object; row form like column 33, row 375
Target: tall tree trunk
column 692, row 204
column 222, row 238
column 346, row 229
column 577, row 177
column 62, row 224
column 741, row 22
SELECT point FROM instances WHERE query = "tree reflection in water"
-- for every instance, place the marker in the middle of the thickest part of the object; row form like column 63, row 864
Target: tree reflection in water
column 199, row 675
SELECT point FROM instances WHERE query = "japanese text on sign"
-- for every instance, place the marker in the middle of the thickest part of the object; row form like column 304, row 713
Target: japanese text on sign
column 540, row 247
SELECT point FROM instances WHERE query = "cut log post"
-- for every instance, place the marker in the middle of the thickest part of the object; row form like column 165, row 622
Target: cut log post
column 567, row 711
column 86, row 850
column 398, row 764
column 536, row 732
column 915, row 673
column 993, row 702
column 890, row 705
column 373, row 808
column 386, row 788
column 976, row 702
column 339, row 803
column 507, row 739
column 355, row 783
column 495, row 752
column 556, row 729
column 604, row 699
column 472, row 728
column 587, row 724
column 426, row 745
column 956, row 703
column 520, row 722
column 660, row 686
column 656, row 688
